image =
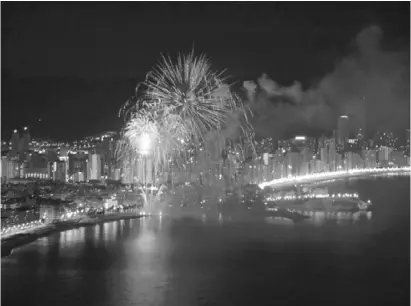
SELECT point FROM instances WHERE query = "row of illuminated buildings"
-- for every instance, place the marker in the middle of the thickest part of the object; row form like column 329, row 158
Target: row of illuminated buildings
column 344, row 150
column 303, row 160
column 90, row 159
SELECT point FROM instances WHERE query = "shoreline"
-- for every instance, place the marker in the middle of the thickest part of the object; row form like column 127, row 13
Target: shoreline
column 21, row 239
column 282, row 183
column 12, row 242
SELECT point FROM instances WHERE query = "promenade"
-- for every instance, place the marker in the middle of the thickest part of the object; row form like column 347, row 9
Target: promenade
column 22, row 236
column 283, row 182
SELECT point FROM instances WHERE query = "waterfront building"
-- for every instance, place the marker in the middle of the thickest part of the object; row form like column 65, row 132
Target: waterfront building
column 324, row 157
column 383, row 154
column 331, row 149
column 370, row 158
column 293, row 163
column 279, row 167
column 353, row 161
column 339, row 162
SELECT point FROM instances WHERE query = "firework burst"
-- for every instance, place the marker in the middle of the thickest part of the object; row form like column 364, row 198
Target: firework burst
column 190, row 90
column 179, row 103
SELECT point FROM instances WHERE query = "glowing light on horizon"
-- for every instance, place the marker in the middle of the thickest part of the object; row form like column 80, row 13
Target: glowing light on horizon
column 300, row 138
column 329, row 174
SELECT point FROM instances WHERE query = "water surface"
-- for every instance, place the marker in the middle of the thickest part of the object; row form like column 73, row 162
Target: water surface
column 357, row 260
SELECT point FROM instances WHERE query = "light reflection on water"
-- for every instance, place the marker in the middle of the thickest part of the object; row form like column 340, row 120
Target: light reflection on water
column 72, row 237
column 162, row 261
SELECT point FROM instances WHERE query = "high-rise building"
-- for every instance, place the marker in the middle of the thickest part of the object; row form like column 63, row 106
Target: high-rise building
column 331, row 149
column 383, row 154
column 279, row 166
column 15, row 139
column 370, row 158
column 78, row 163
column 343, row 130
column 94, row 167
column 24, row 144
column 407, row 142
column 58, row 171
column 293, row 163
column 9, row 168
column 353, row 161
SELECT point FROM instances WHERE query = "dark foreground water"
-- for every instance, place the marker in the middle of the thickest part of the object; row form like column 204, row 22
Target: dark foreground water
column 353, row 260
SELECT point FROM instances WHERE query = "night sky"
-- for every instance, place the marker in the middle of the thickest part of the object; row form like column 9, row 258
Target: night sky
column 73, row 65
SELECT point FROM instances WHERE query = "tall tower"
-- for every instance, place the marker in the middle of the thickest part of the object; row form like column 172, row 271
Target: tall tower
column 15, row 139
column 24, row 144
column 343, row 130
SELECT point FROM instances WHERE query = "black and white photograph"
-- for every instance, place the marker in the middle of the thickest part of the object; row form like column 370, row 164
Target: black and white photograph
column 222, row 153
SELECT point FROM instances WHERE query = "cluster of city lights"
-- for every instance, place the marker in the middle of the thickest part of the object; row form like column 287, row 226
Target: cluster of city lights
column 326, row 175
column 20, row 227
column 315, row 196
column 63, row 217
column 323, row 215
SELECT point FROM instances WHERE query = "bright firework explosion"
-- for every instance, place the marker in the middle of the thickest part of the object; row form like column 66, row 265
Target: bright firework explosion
column 191, row 91
column 180, row 103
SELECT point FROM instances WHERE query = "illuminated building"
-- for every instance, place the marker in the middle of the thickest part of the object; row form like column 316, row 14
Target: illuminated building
column 9, row 168
column 77, row 162
column 331, row 149
column 349, row 161
column 15, row 139
column 324, row 157
column 370, row 158
column 58, row 171
column 343, row 130
column 24, row 144
column 383, row 154
column 293, row 163
column 339, row 162
column 127, row 175
column 94, row 167
column 279, row 166
column 37, row 173
column 78, row 177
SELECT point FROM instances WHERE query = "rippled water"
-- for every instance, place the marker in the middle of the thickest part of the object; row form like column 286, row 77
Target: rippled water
column 357, row 260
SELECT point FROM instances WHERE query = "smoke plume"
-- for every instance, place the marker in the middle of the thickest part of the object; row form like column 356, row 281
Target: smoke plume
column 371, row 85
